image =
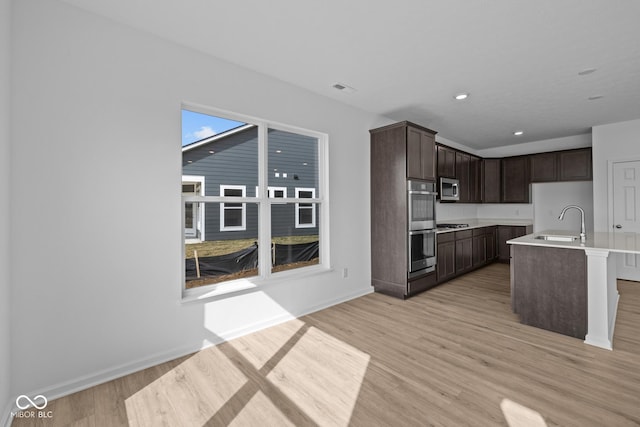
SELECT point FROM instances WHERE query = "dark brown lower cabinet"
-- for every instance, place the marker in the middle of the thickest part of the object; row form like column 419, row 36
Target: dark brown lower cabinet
column 462, row 251
column 446, row 261
column 420, row 284
column 549, row 288
column 508, row 232
column 479, row 247
column 492, row 234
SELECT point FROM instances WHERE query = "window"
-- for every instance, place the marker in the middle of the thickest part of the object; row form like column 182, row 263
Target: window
column 233, row 215
column 305, row 212
column 258, row 234
column 277, row 192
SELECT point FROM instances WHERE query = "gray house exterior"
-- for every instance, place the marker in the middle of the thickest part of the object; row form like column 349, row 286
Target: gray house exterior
column 226, row 164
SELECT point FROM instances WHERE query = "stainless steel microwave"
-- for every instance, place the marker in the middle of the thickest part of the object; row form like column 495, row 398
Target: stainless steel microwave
column 449, row 189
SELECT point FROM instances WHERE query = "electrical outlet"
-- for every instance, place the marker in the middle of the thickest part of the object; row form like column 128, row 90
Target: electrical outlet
column 345, row 273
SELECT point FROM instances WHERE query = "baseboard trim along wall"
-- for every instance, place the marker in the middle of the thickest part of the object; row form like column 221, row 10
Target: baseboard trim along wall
column 84, row 382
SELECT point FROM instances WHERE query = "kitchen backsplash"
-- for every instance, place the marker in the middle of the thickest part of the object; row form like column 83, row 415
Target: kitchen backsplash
column 451, row 211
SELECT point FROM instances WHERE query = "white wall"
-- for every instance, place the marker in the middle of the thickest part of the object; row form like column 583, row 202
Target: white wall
column 549, row 199
column 5, row 337
column 505, row 211
column 555, row 144
column 614, row 142
column 97, row 197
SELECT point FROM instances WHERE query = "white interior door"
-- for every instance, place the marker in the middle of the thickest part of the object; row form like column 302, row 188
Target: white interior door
column 626, row 214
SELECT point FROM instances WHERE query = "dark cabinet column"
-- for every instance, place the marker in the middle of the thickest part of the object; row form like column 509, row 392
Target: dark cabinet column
column 399, row 151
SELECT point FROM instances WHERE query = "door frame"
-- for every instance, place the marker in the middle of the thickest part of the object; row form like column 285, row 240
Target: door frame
column 198, row 219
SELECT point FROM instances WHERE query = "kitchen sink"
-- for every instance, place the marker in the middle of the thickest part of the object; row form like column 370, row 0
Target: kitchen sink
column 556, row 238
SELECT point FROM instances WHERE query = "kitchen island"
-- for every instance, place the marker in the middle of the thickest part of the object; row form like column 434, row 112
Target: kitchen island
column 569, row 286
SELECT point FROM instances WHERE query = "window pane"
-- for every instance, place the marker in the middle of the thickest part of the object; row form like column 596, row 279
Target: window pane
column 214, row 256
column 292, row 161
column 233, row 218
column 233, row 192
column 292, row 247
column 225, row 152
column 306, row 215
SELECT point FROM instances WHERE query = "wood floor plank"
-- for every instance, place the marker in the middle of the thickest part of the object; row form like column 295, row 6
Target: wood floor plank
column 453, row 356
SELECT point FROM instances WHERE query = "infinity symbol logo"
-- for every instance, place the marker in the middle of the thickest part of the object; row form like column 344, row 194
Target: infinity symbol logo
column 30, row 402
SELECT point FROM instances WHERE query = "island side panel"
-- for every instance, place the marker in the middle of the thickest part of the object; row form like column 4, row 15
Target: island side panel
column 549, row 288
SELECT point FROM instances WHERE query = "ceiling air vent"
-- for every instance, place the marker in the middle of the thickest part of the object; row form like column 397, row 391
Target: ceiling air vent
column 343, row 88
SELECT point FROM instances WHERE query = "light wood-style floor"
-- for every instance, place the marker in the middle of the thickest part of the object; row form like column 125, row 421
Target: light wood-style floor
column 452, row 356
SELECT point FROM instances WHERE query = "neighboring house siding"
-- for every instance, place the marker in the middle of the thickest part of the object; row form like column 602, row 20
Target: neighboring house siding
column 235, row 162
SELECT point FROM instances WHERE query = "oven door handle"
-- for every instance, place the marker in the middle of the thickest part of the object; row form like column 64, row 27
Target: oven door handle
column 415, row 232
column 426, row 193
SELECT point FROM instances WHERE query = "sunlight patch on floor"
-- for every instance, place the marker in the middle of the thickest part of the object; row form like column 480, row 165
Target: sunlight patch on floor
column 322, row 376
column 260, row 411
column 190, row 393
column 260, row 347
column 518, row 415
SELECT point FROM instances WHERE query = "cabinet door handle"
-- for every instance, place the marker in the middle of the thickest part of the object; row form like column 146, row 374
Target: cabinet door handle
column 617, row 226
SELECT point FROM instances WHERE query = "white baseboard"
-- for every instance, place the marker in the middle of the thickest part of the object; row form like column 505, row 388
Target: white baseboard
column 87, row 381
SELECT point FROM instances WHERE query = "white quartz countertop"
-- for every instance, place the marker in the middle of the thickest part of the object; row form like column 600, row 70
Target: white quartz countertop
column 478, row 223
column 614, row 242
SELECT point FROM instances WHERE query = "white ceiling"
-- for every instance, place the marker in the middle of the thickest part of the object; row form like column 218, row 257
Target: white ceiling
column 406, row 59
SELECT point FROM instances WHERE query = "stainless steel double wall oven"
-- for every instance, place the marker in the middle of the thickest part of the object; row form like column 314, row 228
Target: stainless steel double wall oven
column 421, row 197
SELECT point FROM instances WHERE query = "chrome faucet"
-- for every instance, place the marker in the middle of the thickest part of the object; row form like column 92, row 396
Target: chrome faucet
column 583, row 232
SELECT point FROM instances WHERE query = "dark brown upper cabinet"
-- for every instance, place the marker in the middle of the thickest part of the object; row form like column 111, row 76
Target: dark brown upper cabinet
column 575, row 165
column 446, row 162
column 462, row 174
column 421, row 154
column 515, row 179
column 544, row 167
column 491, row 181
column 475, row 179
column 567, row 165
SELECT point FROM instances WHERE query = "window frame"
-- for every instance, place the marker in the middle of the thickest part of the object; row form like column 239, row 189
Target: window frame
column 264, row 202
column 224, row 207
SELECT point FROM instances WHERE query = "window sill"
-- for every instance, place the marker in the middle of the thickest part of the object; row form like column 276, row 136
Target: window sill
column 242, row 286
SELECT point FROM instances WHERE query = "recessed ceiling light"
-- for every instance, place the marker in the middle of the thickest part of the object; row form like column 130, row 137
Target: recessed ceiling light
column 518, row 133
column 461, row 96
column 343, row 88
column 594, row 97
column 586, row 71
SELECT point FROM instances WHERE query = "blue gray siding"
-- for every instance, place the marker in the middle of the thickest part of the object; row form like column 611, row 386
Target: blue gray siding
column 234, row 161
